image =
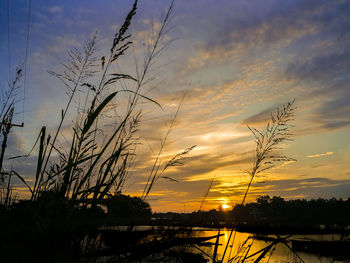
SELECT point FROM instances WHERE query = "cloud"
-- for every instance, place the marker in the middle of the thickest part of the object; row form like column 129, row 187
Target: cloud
column 15, row 143
column 319, row 155
column 320, row 67
column 323, row 127
column 313, row 187
column 201, row 166
column 60, row 44
column 303, row 47
column 260, row 118
column 330, row 112
column 221, row 134
column 244, row 33
column 55, row 9
column 334, row 112
column 115, row 27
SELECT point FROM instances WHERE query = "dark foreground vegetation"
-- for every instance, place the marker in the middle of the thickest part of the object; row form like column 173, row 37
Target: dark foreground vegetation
column 51, row 229
column 271, row 215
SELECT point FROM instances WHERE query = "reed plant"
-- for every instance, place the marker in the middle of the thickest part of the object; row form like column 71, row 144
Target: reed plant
column 267, row 155
column 71, row 182
column 92, row 169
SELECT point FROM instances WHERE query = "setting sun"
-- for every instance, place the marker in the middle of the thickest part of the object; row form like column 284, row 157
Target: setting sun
column 225, row 206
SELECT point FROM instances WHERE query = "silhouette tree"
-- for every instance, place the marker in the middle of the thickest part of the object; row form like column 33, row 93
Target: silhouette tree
column 124, row 208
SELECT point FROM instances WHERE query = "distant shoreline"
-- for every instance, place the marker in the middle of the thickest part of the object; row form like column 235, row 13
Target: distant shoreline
column 262, row 230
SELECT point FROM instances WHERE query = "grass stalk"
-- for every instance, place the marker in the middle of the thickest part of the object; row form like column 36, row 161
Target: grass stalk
column 276, row 131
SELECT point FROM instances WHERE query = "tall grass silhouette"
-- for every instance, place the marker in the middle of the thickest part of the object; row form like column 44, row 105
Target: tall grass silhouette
column 266, row 156
column 72, row 181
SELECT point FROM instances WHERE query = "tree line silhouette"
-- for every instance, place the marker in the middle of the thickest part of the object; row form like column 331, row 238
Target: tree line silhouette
column 315, row 214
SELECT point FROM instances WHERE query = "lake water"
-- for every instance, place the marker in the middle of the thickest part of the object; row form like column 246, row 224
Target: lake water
column 281, row 253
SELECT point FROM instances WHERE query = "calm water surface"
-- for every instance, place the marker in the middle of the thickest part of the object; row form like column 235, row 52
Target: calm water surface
column 281, row 253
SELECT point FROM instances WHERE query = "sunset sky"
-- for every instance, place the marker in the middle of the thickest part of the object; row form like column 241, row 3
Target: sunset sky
column 233, row 62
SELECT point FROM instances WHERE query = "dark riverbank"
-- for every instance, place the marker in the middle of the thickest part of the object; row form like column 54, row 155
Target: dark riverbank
column 259, row 228
column 266, row 229
column 270, row 215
